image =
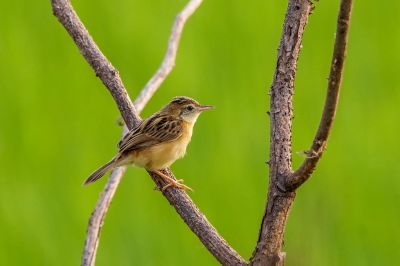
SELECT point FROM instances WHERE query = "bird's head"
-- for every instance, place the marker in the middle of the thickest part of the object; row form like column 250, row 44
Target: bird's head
column 185, row 108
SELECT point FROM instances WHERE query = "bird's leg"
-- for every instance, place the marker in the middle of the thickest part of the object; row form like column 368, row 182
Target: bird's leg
column 172, row 182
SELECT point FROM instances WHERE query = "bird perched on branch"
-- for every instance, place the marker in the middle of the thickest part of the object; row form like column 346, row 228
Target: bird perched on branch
column 158, row 141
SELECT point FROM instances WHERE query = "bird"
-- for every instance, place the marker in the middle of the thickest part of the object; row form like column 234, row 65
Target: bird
column 158, row 141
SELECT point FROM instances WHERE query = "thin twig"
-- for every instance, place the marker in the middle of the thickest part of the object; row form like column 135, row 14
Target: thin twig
column 180, row 200
column 97, row 217
column 335, row 77
column 168, row 62
column 99, row 213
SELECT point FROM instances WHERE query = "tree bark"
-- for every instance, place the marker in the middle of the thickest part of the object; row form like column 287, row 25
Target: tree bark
column 282, row 181
column 332, row 97
column 268, row 249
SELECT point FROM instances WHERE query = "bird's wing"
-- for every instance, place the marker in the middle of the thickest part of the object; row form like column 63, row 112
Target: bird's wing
column 154, row 130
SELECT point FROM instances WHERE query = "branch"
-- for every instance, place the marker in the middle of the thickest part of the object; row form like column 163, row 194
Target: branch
column 282, row 181
column 67, row 16
column 170, row 56
column 185, row 207
column 270, row 240
column 98, row 215
column 199, row 224
column 335, row 77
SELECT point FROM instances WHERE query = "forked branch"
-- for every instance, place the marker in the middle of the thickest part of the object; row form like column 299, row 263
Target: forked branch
column 335, row 77
column 283, row 183
column 189, row 212
column 271, row 234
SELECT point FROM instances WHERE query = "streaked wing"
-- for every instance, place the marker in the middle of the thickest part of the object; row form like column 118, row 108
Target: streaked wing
column 154, row 130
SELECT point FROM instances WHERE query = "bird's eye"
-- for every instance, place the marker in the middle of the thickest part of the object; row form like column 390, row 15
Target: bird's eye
column 189, row 108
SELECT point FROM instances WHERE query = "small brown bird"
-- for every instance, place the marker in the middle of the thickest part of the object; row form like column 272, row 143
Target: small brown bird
column 158, row 141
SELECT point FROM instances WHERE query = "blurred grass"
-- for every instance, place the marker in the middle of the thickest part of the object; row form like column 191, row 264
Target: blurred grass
column 58, row 124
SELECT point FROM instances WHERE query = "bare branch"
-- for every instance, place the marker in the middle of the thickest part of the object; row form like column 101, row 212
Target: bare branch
column 270, row 240
column 99, row 213
column 170, row 56
column 67, row 16
column 97, row 218
column 199, row 224
column 185, row 207
column 282, row 181
column 318, row 146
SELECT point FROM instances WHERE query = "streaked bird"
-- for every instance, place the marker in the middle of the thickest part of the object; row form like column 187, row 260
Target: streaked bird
column 158, row 141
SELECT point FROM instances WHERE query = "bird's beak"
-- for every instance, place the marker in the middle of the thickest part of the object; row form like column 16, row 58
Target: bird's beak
column 205, row 107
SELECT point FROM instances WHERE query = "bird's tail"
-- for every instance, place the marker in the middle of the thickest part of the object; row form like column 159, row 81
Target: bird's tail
column 100, row 172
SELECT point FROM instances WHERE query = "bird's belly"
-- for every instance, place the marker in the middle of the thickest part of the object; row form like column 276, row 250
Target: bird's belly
column 160, row 156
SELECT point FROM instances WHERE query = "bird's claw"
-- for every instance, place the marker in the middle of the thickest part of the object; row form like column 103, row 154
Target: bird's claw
column 177, row 184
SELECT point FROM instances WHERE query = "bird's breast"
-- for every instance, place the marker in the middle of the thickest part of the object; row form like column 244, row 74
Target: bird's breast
column 163, row 155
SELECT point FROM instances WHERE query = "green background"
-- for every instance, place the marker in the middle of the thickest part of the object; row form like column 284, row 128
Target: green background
column 58, row 123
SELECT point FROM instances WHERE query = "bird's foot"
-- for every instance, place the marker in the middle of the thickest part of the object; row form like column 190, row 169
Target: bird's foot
column 172, row 182
column 177, row 184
